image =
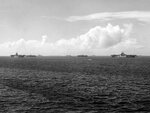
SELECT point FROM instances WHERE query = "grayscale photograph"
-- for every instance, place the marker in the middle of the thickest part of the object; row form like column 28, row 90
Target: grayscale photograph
column 74, row 56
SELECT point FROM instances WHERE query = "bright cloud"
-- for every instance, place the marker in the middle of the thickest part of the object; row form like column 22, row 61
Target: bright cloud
column 139, row 15
column 96, row 39
column 99, row 37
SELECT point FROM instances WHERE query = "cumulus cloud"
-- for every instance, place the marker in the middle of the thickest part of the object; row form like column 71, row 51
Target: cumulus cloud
column 25, row 47
column 96, row 39
column 99, row 37
column 139, row 15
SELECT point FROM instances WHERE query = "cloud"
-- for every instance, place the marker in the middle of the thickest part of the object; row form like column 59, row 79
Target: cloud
column 96, row 39
column 139, row 15
column 24, row 47
column 99, row 37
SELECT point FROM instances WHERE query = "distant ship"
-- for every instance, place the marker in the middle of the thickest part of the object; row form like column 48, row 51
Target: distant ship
column 17, row 56
column 123, row 55
column 30, row 55
column 82, row 55
column 21, row 56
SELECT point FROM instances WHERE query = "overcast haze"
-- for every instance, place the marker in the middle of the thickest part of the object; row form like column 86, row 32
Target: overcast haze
column 71, row 27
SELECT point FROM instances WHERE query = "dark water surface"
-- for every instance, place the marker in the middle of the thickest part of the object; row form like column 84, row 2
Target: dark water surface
column 75, row 85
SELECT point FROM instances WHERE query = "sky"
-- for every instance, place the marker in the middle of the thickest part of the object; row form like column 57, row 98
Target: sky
column 72, row 27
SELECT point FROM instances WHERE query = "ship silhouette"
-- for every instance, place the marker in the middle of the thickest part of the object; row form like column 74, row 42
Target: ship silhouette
column 123, row 55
